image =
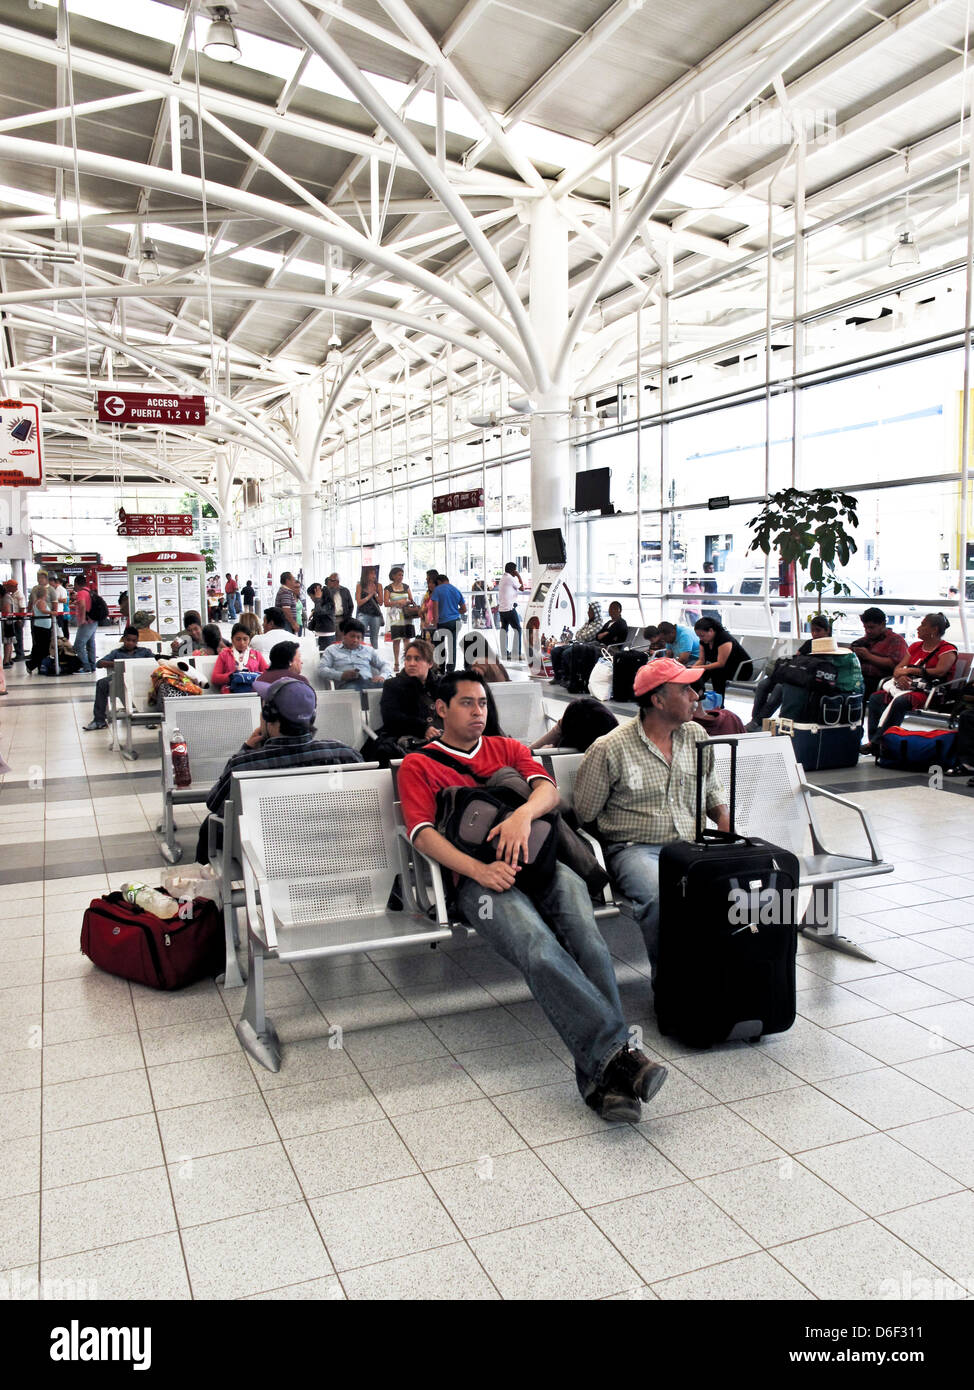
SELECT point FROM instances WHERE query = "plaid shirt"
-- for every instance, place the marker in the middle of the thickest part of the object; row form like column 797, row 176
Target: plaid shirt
column 284, row 752
column 637, row 797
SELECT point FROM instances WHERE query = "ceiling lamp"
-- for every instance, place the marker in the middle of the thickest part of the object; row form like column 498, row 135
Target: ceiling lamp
column 221, row 41
column 149, row 271
column 334, row 356
column 905, row 250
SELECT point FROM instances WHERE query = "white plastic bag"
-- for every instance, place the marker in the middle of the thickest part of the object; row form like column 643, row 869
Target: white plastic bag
column 600, row 679
column 196, row 883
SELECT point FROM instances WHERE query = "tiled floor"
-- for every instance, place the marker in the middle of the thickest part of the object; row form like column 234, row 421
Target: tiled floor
column 442, row 1151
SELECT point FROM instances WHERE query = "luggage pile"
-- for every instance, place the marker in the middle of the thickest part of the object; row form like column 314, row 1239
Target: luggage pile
column 821, row 708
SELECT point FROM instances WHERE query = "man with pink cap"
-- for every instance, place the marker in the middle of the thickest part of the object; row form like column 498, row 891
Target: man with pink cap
column 639, row 784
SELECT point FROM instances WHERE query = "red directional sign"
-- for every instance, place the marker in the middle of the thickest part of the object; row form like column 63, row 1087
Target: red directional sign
column 458, row 501
column 150, row 408
column 154, row 523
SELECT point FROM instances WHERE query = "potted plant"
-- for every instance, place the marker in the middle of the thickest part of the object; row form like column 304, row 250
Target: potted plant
column 811, row 531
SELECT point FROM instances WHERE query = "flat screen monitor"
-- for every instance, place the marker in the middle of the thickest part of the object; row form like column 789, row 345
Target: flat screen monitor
column 592, row 490
column 550, row 546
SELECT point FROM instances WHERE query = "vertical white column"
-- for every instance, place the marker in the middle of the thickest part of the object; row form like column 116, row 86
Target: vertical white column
column 223, row 485
column 309, row 407
column 550, row 423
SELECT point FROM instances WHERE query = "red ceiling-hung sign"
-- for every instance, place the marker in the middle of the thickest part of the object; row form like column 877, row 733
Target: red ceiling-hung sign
column 150, row 408
column 458, row 501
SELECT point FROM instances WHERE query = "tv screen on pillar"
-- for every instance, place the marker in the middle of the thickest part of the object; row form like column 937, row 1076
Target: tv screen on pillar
column 550, row 546
column 592, row 490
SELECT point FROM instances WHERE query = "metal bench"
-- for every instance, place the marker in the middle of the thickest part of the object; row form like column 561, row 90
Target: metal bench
column 129, row 692
column 223, row 853
column 760, row 649
column 323, row 892
column 131, row 682
column 775, row 802
column 213, row 727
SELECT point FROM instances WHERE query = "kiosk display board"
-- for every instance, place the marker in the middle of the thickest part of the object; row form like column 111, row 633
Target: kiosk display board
column 111, row 581
column 166, row 583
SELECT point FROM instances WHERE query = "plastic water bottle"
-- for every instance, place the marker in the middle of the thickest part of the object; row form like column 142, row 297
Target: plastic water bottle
column 150, row 900
column 181, row 775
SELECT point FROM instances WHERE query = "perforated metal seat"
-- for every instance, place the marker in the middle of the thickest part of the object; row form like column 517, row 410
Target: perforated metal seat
column 520, row 709
column 213, row 727
column 340, row 716
column 323, row 891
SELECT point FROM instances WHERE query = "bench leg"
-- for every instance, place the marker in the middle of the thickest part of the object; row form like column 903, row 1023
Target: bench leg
column 256, row 1032
column 821, row 923
column 232, row 977
column 128, row 751
column 170, row 849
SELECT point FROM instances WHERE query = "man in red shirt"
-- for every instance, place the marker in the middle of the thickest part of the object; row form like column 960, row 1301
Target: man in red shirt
column 879, row 649
column 552, row 937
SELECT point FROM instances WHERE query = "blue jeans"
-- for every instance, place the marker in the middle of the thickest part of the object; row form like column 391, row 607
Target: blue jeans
column 634, row 870
column 556, row 944
column 372, row 625
column 84, row 645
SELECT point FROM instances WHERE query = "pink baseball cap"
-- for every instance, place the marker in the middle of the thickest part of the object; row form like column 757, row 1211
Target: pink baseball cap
column 663, row 671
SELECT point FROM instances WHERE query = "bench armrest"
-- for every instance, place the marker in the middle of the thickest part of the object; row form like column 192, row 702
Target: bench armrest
column 215, row 823
column 419, row 862
column 810, row 790
column 260, row 919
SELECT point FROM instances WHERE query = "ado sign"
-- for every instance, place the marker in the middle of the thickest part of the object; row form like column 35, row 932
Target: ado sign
column 145, row 408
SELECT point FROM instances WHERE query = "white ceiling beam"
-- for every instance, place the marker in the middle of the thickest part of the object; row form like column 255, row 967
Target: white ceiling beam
column 16, row 43
column 316, row 38
column 608, row 23
column 725, row 64
column 126, row 171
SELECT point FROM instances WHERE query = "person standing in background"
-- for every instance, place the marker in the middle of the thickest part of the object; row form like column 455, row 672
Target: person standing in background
column 10, row 623
column 368, row 600
column 286, row 600
column 61, row 594
column 398, row 596
column 41, row 621
column 509, row 584
column 84, row 638
column 249, row 593
column 230, row 593
column 20, row 617
column 449, row 609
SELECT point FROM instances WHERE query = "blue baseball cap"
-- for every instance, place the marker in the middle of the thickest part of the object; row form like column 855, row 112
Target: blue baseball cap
column 294, row 699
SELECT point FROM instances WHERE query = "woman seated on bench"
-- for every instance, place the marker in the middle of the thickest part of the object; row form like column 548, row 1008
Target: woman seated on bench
column 722, row 658
column 930, row 660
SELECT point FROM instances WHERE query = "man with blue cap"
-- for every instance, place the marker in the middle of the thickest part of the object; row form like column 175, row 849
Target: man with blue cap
column 284, row 740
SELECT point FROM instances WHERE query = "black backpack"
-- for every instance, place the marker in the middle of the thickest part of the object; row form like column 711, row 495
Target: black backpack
column 98, row 611
column 466, row 815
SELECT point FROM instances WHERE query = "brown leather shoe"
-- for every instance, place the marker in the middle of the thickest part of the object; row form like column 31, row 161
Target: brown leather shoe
column 632, row 1072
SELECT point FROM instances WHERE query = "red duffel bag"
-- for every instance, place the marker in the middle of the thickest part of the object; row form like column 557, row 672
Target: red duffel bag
column 125, row 940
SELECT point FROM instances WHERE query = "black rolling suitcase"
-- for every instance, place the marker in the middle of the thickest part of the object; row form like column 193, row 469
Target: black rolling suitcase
column 625, row 664
column 727, row 934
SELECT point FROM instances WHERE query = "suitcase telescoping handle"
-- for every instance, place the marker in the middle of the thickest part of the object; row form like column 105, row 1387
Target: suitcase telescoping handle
column 705, row 836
